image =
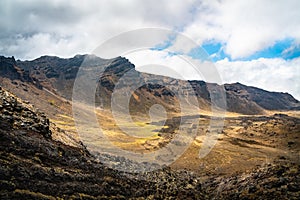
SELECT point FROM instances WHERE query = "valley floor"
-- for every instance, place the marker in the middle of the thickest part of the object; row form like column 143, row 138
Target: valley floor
column 255, row 157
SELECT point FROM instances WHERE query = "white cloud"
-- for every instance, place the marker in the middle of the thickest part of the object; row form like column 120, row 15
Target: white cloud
column 246, row 26
column 161, row 63
column 47, row 45
column 80, row 26
column 270, row 74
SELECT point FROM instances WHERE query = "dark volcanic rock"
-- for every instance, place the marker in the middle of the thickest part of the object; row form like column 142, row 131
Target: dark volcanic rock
column 279, row 180
column 14, row 114
column 9, row 69
column 265, row 99
column 119, row 66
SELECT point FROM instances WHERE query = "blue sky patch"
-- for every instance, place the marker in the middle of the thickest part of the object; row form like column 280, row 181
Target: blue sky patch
column 165, row 44
column 292, row 52
column 213, row 49
column 286, row 49
column 198, row 53
column 275, row 51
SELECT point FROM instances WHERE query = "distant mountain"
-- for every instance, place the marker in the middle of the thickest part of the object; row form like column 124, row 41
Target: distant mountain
column 264, row 99
column 58, row 74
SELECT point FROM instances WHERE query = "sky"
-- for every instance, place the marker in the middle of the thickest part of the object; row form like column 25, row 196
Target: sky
column 254, row 42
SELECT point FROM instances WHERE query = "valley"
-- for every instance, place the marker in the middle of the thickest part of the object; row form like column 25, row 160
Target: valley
column 256, row 155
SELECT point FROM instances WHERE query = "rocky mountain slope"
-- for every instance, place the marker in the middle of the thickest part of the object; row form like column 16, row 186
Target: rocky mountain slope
column 57, row 75
column 34, row 166
column 238, row 92
column 257, row 157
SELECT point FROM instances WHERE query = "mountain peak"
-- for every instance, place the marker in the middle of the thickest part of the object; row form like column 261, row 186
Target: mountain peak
column 9, row 69
column 8, row 60
column 120, row 65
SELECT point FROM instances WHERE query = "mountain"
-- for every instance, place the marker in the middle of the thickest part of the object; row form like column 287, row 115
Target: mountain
column 262, row 98
column 58, row 74
column 43, row 157
column 35, row 166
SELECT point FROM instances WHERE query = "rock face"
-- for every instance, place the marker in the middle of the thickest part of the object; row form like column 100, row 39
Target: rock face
column 14, row 114
column 9, row 69
column 262, row 98
column 271, row 181
column 58, row 75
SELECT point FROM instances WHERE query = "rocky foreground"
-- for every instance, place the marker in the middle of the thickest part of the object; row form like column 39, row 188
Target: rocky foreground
column 34, row 166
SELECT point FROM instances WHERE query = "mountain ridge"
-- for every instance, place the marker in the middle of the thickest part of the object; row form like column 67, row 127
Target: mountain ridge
column 58, row 74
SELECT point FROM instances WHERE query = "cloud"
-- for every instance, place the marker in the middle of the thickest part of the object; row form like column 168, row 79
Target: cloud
column 245, row 27
column 163, row 63
column 273, row 74
column 80, row 26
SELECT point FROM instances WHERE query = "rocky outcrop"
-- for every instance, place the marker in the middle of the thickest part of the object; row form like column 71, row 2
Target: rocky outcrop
column 9, row 69
column 278, row 180
column 262, row 98
column 15, row 114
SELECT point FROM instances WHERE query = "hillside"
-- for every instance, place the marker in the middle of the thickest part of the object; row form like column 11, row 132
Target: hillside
column 42, row 155
column 34, row 166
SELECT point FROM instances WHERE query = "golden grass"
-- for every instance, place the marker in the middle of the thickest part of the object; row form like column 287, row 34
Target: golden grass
column 295, row 113
column 34, row 194
column 230, row 154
